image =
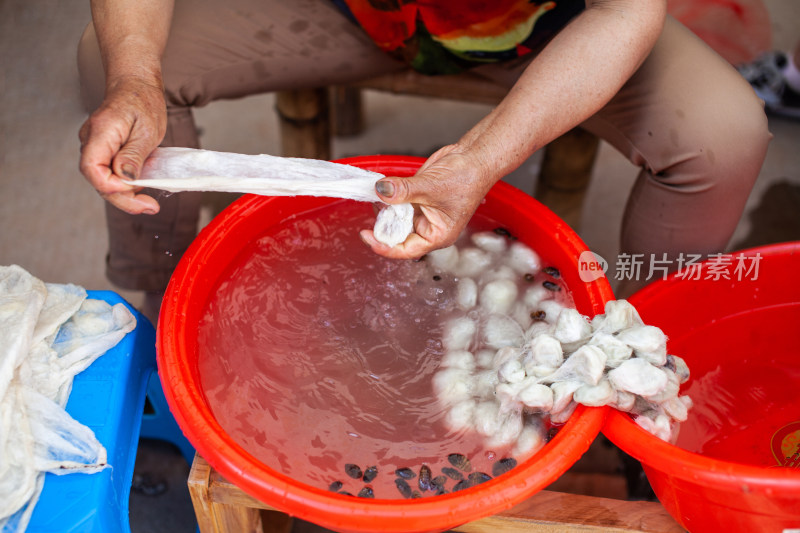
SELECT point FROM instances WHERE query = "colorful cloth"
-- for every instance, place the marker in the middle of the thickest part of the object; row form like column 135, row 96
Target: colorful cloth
column 447, row 36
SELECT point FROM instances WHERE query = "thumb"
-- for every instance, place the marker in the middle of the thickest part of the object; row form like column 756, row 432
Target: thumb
column 395, row 190
column 129, row 160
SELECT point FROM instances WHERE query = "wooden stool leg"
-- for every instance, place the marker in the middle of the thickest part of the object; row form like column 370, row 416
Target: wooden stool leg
column 565, row 174
column 215, row 517
column 304, row 122
column 347, row 117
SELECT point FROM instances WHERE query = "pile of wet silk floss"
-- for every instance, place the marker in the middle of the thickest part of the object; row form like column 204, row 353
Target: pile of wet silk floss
column 517, row 357
column 49, row 333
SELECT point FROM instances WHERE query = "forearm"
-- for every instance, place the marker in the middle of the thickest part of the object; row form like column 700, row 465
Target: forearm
column 575, row 75
column 131, row 122
column 132, row 36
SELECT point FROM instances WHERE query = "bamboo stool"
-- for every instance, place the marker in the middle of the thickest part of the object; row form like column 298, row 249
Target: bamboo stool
column 221, row 507
column 307, row 121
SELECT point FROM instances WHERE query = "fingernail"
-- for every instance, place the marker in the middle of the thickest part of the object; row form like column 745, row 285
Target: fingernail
column 149, row 212
column 385, row 188
column 129, row 171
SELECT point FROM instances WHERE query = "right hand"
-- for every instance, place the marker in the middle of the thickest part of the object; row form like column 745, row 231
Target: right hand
column 118, row 137
column 446, row 190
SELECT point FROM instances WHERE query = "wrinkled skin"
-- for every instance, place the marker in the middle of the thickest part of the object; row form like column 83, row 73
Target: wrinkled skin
column 444, row 191
column 118, row 137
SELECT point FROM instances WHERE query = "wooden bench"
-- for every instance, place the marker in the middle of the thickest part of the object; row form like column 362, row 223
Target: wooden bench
column 307, row 121
column 221, row 507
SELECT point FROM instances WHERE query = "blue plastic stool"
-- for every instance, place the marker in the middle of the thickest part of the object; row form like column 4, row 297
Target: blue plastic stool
column 109, row 397
column 160, row 424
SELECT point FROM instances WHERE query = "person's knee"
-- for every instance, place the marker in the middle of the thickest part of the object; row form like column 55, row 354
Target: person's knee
column 742, row 133
column 90, row 70
column 722, row 145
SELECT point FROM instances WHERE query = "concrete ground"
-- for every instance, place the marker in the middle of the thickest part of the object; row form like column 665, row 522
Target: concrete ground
column 52, row 222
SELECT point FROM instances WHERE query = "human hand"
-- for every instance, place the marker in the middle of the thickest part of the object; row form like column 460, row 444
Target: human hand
column 445, row 191
column 117, row 138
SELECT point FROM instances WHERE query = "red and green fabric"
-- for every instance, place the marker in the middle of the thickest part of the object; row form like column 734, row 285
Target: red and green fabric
column 447, row 36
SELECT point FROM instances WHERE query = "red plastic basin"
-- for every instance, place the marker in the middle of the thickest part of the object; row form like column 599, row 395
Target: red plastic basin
column 194, row 282
column 729, row 468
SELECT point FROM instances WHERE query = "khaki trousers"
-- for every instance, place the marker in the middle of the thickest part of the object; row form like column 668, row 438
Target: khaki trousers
column 686, row 118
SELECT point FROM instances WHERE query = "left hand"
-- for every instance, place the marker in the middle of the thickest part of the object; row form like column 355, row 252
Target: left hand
column 445, row 191
column 117, row 138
